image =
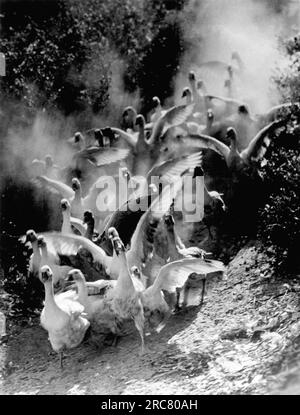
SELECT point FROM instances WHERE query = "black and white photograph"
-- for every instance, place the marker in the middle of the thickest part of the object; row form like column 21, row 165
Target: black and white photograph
column 149, row 200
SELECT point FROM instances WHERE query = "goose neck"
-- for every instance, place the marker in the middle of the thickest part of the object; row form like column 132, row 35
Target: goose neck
column 49, row 295
column 173, row 253
column 90, row 230
column 189, row 99
column 82, row 293
column 44, row 253
column 124, row 279
column 78, row 194
column 35, row 247
column 66, row 225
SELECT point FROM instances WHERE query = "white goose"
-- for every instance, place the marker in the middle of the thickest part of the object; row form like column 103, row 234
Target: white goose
column 69, row 245
column 72, row 193
column 62, row 316
column 69, row 221
column 91, row 293
column 235, row 160
column 158, row 111
column 122, row 303
column 171, row 278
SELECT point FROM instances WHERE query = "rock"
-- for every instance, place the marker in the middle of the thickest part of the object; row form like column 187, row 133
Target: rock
column 234, row 333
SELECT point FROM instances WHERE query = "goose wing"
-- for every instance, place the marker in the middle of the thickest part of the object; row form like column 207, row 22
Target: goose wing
column 125, row 220
column 203, row 141
column 172, row 117
column 174, row 167
column 100, row 156
column 142, row 239
column 259, row 144
column 54, row 186
column 131, row 139
column 67, row 245
column 231, row 101
column 273, row 112
column 78, row 224
column 175, row 274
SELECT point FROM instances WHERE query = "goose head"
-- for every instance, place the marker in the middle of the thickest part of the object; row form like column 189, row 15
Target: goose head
column 128, row 117
column 217, row 199
column 186, row 93
column 75, row 275
column 156, row 102
column 31, row 236
column 99, row 137
column 41, row 242
column 116, row 241
column 75, row 184
column 129, row 112
column 78, row 137
column 65, row 205
column 231, row 135
column 88, row 217
column 140, row 121
column 46, row 274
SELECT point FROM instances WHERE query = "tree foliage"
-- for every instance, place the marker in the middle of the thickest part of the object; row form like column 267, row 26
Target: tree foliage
column 64, row 57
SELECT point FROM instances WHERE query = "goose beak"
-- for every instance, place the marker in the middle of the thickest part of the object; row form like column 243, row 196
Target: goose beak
column 117, row 244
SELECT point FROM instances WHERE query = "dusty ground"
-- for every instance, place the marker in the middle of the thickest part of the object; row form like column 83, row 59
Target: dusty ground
column 243, row 340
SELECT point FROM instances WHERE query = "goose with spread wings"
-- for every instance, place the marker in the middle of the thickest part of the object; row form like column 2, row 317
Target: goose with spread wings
column 235, row 160
column 146, row 151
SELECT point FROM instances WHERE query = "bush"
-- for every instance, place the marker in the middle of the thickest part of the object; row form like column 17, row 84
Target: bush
column 279, row 219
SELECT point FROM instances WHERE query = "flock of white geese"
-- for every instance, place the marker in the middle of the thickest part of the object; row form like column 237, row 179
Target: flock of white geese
column 102, row 270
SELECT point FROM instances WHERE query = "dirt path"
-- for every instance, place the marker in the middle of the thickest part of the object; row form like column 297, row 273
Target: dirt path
column 237, row 343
